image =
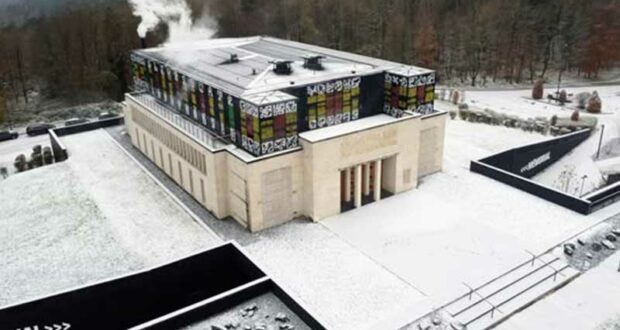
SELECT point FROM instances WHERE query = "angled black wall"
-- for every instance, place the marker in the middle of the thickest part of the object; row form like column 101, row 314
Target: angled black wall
column 132, row 300
column 529, row 160
column 516, row 166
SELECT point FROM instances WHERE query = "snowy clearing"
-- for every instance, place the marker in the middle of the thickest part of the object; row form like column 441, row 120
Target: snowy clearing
column 95, row 216
column 341, row 286
column 568, row 173
column 460, row 227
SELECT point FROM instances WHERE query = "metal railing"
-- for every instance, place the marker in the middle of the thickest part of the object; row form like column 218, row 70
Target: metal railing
column 199, row 133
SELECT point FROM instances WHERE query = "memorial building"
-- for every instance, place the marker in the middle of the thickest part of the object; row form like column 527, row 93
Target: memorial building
column 265, row 130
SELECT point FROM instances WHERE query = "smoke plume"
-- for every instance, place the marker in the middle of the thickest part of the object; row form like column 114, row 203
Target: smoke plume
column 177, row 15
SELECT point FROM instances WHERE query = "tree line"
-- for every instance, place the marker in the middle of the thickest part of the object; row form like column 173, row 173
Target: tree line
column 82, row 50
column 470, row 41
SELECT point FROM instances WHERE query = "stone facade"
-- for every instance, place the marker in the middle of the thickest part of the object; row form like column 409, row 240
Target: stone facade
column 376, row 155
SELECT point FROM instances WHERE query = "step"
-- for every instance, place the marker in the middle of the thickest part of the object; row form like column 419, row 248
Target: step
column 500, row 282
column 515, row 298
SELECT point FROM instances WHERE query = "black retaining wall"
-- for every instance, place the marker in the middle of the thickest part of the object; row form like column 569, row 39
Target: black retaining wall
column 534, row 188
column 604, row 197
column 514, row 167
column 58, row 149
column 221, row 277
column 74, row 129
column 529, row 160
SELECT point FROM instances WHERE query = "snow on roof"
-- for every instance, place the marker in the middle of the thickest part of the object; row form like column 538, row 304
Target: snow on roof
column 318, row 135
column 409, row 71
column 208, row 61
column 265, row 98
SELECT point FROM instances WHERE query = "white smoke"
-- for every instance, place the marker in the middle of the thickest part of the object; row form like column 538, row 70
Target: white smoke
column 177, row 15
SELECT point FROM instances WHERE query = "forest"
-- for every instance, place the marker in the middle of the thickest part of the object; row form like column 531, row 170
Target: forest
column 79, row 51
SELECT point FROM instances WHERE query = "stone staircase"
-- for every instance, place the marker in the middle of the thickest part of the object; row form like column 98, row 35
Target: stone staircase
column 489, row 304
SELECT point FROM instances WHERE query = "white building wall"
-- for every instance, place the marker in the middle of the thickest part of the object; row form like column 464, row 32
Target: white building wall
column 269, row 191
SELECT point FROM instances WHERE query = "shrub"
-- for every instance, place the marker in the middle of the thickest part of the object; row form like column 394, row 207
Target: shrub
column 464, row 114
column 20, row 163
column 575, row 116
column 554, row 120
column 456, row 96
column 473, row 117
column 563, row 97
column 582, row 99
column 594, row 103
column 36, row 149
column 48, row 157
column 554, row 130
column 564, row 131
column 538, row 90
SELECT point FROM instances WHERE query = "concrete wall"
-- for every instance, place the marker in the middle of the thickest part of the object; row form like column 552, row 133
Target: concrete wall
column 432, row 136
column 187, row 176
column 323, row 161
column 275, row 190
column 267, row 192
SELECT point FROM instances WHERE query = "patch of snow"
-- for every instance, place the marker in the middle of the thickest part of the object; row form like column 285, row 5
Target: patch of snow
column 460, row 227
column 95, row 216
column 340, row 286
column 568, row 173
column 589, row 302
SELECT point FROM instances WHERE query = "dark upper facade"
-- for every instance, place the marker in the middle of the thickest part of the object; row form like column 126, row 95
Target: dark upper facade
column 260, row 93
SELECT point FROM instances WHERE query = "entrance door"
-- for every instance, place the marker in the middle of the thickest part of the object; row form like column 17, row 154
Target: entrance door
column 347, row 183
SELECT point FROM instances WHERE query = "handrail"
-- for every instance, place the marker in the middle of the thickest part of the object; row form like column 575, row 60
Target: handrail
column 518, row 294
column 507, row 285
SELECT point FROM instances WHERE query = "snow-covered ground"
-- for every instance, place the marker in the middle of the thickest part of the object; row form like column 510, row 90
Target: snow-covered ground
column 118, row 220
column 399, row 257
column 23, row 145
column 460, row 227
column 92, row 217
column 579, row 162
column 589, row 302
column 339, row 285
column 571, row 79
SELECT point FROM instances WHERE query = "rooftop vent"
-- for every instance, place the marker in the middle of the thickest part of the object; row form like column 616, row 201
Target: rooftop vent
column 282, row 67
column 234, row 58
column 313, row 62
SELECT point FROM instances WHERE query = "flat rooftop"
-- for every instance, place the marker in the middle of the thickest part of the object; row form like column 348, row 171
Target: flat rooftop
column 207, row 61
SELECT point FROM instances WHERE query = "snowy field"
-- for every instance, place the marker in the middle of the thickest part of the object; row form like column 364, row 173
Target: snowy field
column 460, row 227
column 398, row 258
column 119, row 220
column 92, row 217
column 520, row 103
column 566, row 174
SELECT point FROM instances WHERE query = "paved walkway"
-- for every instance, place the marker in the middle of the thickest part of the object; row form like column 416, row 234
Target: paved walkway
column 337, row 283
column 226, row 229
